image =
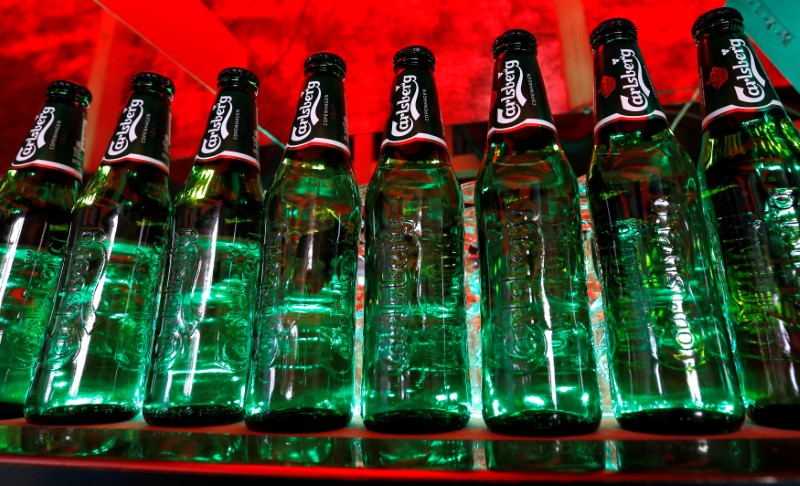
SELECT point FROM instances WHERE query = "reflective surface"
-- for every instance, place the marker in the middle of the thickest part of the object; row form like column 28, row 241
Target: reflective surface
column 472, row 454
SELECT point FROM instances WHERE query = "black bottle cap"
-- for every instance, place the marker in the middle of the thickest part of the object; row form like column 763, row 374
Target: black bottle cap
column 414, row 56
column 153, row 80
column 610, row 29
column 324, row 61
column 70, row 89
column 517, row 39
column 719, row 19
column 235, row 76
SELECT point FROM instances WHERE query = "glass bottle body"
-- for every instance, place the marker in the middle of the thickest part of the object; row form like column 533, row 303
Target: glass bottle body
column 35, row 207
column 751, row 167
column 205, row 323
column 100, row 332
column 669, row 354
column 539, row 371
column 415, row 371
column 303, row 374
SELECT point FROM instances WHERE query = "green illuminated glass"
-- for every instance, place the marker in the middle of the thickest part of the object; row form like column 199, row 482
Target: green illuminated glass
column 539, row 372
column 669, row 354
column 302, row 377
column 205, row 321
column 36, row 198
column 750, row 164
column 100, row 332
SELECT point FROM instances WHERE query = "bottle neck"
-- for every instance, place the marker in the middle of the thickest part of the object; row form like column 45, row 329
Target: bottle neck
column 414, row 115
column 733, row 82
column 321, row 117
column 232, row 129
column 55, row 142
column 624, row 97
column 518, row 95
column 143, row 131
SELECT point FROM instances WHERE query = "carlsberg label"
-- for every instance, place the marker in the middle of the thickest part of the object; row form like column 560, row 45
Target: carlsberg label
column 55, row 141
column 518, row 96
column 321, row 118
column 232, row 130
column 414, row 112
column 142, row 133
column 733, row 78
column 623, row 89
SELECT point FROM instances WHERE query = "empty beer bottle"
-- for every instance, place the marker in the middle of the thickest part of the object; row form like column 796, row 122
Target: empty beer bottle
column 415, row 371
column 303, row 373
column 36, row 198
column 669, row 354
column 100, row 332
column 750, row 164
column 539, row 372
column 205, row 322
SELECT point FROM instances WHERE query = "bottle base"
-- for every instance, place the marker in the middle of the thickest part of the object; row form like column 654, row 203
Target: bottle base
column 82, row 415
column 416, row 422
column 779, row 416
column 9, row 410
column 677, row 421
column 542, row 423
column 192, row 415
column 298, row 421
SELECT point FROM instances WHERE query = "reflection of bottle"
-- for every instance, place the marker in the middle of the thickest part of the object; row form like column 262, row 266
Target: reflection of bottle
column 205, row 323
column 100, row 332
column 429, row 455
column 684, row 456
column 80, row 442
column 669, row 354
column 157, row 445
column 303, row 371
column 301, row 450
column 539, row 372
column 556, row 456
column 36, row 197
column 750, row 162
column 416, row 374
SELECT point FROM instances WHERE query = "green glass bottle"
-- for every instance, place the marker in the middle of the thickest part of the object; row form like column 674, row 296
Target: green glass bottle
column 669, row 355
column 100, row 332
column 36, row 198
column 415, row 368
column 539, row 371
column 205, row 322
column 750, row 164
column 302, row 377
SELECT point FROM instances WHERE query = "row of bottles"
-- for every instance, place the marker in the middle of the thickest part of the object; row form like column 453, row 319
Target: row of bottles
column 232, row 303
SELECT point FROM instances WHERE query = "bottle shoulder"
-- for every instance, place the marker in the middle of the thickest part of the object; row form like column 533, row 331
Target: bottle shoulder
column 767, row 136
column 39, row 188
column 127, row 184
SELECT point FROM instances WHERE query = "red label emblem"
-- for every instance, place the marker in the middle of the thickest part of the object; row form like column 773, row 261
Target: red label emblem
column 717, row 77
column 607, row 85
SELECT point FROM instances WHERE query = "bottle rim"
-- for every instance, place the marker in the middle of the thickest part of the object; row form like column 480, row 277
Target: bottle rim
column 153, row 80
column 69, row 88
column 414, row 55
column 232, row 73
column 324, row 60
column 514, row 39
column 619, row 27
column 723, row 19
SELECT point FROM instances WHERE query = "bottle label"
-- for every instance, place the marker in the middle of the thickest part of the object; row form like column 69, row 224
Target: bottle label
column 321, row 118
column 56, row 138
column 414, row 113
column 623, row 90
column 142, row 134
column 231, row 131
column 732, row 79
column 518, row 95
